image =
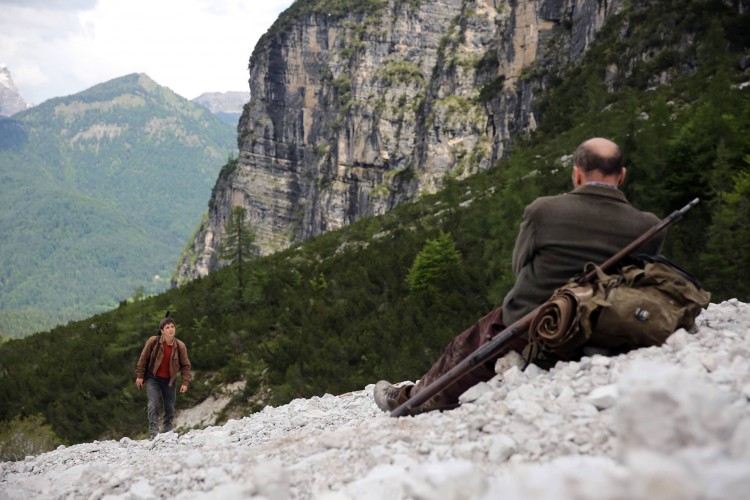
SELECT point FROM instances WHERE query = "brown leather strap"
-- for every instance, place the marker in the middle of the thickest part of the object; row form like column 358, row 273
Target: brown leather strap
column 151, row 356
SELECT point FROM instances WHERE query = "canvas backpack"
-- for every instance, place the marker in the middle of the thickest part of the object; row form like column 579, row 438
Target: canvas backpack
column 640, row 305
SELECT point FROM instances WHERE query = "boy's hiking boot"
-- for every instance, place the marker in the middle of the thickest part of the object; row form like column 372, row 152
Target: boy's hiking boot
column 388, row 397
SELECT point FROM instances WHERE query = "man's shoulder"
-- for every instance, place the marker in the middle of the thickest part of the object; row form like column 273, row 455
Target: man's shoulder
column 547, row 200
column 650, row 216
column 544, row 203
column 583, row 200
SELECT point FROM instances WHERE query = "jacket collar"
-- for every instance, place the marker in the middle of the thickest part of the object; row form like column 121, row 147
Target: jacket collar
column 164, row 342
column 594, row 190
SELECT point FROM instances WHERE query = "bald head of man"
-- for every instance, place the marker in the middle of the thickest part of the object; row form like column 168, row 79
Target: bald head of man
column 598, row 160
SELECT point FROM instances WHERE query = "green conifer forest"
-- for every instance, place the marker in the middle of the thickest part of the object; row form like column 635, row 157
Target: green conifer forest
column 98, row 193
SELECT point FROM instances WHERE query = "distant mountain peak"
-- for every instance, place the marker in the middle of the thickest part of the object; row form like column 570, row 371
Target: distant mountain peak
column 146, row 81
column 11, row 101
column 5, row 78
column 223, row 102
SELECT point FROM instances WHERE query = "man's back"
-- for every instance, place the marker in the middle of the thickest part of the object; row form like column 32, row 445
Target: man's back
column 560, row 234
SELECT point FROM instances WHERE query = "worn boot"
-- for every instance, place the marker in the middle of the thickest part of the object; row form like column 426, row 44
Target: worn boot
column 388, row 397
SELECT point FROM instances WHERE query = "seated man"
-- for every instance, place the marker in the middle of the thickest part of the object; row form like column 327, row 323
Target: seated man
column 557, row 237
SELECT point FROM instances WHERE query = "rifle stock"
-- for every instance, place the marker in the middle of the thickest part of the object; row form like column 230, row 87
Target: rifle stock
column 494, row 347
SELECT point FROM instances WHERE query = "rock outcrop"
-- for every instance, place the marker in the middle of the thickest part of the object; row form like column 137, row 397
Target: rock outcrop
column 11, row 101
column 357, row 110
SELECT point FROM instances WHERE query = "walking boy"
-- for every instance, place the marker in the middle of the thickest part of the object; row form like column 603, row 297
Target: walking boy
column 162, row 357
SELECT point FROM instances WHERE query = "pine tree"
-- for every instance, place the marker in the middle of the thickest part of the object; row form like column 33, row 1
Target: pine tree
column 729, row 239
column 434, row 262
column 238, row 245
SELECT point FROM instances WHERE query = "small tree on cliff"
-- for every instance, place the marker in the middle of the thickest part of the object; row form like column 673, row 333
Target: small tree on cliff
column 238, row 245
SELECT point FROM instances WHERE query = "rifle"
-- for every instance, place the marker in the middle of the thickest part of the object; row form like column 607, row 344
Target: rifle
column 494, row 347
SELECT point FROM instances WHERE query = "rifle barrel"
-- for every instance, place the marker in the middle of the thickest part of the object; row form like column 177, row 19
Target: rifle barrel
column 639, row 241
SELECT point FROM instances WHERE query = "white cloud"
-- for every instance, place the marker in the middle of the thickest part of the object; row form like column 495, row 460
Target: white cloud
column 53, row 4
column 190, row 46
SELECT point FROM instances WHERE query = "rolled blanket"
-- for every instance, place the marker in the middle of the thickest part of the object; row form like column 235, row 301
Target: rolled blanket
column 556, row 327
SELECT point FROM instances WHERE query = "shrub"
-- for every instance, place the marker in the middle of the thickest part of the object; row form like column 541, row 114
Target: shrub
column 22, row 437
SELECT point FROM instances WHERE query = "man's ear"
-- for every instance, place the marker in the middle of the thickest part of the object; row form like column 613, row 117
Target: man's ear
column 578, row 177
column 623, row 172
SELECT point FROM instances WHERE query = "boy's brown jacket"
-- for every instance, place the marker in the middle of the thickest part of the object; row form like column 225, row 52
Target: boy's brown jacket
column 152, row 355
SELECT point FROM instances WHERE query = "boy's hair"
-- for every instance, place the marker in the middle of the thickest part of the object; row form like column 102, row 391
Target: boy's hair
column 166, row 320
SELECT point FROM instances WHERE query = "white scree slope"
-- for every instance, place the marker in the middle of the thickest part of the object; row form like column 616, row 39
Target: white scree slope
column 669, row 422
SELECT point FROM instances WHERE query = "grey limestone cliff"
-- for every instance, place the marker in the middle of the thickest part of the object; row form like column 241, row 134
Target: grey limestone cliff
column 360, row 106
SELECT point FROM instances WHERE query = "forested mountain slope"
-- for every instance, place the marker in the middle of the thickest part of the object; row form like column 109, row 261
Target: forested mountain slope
column 98, row 193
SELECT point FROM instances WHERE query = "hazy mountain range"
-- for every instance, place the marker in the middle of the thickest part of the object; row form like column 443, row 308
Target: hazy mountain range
column 227, row 106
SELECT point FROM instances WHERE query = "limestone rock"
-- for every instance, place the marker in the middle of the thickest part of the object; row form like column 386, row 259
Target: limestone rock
column 11, row 101
column 354, row 113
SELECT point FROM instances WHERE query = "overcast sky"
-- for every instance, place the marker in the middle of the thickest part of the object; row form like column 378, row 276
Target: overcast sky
column 60, row 47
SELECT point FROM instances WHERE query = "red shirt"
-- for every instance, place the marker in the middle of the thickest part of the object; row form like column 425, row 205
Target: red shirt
column 163, row 370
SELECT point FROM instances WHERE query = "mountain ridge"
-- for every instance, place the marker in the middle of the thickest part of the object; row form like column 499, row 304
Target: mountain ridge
column 382, row 102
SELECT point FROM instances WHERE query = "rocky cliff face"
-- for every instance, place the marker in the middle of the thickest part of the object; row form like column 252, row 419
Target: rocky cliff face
column 358, row 108
column 11, row 101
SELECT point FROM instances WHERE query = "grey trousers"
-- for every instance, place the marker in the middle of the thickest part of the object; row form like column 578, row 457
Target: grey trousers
column 159, row 393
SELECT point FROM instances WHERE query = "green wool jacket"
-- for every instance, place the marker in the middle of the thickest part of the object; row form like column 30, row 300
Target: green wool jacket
column 560, row 234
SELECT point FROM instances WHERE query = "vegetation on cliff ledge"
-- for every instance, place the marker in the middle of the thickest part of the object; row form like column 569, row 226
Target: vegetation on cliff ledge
column 333, row 9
